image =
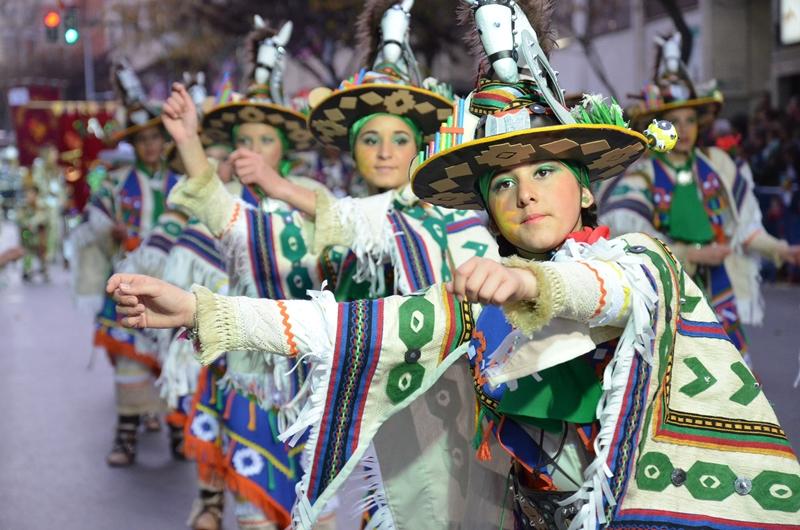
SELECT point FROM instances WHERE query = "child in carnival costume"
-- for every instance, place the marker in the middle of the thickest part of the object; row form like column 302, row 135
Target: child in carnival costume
column 33, row 220
column 696, row 199
column 261, row 240
column 119, row 217
column 398, row 243
column 598, row 364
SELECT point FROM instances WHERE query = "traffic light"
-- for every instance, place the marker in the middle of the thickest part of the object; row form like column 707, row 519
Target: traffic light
column 71, row 33
column 52, row 19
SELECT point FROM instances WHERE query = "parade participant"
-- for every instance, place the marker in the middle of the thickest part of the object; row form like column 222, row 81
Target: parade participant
column 398, row 244
column 603, row 373
column 34, row 226
column 119, row 217
column 262, row 244
column 697, row 200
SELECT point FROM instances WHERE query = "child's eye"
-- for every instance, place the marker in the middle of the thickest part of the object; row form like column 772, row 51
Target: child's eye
column 503, row 184
column 267, row 139
column 543, row 171
column 401, row 139
column 243, row 142
column 369, row 140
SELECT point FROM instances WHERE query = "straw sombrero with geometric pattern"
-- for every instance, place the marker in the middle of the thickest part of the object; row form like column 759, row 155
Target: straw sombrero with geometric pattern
column 672, row 87
column 524, row 131
column 388, row 87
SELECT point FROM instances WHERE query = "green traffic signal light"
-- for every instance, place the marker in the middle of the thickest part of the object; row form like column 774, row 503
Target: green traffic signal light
column 71, row 36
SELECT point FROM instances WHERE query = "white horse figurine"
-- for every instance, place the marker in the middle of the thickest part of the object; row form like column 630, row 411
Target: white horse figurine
column 129, row 84
column 395, row 47
column 270, row 59
column 196, row 86
column 512, row 48
column 670, row 56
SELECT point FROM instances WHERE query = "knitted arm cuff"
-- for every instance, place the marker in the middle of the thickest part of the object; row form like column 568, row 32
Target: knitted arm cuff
column 767, row 245
column 529, row 316
column 217, row 325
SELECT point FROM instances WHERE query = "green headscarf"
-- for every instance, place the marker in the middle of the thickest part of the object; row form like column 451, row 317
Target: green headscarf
column 361, row 122
column 579, row 170
column 285, row 165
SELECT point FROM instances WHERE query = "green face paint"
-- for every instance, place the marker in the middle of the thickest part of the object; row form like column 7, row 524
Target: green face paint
column 361, row 122
column 483, row 182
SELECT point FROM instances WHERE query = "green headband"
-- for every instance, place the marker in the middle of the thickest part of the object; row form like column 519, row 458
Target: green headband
column 359, row 124
column 285, row 165
column 579, row 170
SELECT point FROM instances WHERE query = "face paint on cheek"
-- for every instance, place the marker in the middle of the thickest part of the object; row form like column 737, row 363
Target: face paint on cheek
column 507, row 219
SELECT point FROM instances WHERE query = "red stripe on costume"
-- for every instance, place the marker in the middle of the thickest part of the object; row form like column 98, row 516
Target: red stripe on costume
column 704, row 518
column 115, row 348
column 602, row 302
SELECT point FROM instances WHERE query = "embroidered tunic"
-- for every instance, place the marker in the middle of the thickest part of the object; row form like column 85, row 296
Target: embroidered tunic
column 640, row 201
column 685, row 436
column 136, row 199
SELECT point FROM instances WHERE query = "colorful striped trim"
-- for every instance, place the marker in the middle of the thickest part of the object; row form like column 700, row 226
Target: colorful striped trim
column 287, row 329
column 413, row 253
column 160, row 242
column 202, row 246
column 711, row 330
column 640, row 519
column 263, row 257
column 464, row 224
column 633, row 205
column 355, row 358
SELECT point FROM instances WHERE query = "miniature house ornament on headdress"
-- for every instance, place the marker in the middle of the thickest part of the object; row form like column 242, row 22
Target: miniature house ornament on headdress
column 264, row 101
column 392, row 86
column 138, row 113
column 518, row 115
column 672, row 87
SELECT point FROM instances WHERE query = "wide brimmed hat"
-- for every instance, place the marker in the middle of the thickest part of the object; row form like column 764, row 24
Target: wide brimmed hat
column 137, row 120
column 519, row 127
column 334, row 112
column 219, row 122
column 672, row 88
column 449, row 178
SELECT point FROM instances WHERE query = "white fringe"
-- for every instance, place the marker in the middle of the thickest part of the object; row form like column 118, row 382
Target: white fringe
column 369, row 474
column 637, row 338
column 320, row 357
column 373, row 241
column 179, row 371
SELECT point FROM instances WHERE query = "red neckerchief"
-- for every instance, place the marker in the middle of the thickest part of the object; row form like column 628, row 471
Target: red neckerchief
column 590, row 235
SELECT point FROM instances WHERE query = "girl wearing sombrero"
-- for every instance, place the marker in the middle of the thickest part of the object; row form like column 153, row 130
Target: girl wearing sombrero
column 698, row 200
column 119, row 217
column 598, row 365
column 262, row 243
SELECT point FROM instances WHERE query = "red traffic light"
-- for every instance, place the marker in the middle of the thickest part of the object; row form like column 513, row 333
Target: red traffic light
column 52, row 19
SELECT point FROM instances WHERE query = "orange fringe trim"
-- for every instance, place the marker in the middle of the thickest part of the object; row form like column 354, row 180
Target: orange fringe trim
column 253, row 494
column 115, row 349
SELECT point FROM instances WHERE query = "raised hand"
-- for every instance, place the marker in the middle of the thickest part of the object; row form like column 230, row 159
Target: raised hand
column 180, row 114
column 146, row 302
column 252, row 169
column 487, row 282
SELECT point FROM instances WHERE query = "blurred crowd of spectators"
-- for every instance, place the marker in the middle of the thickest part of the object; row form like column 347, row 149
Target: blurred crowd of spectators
column 769, row 141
